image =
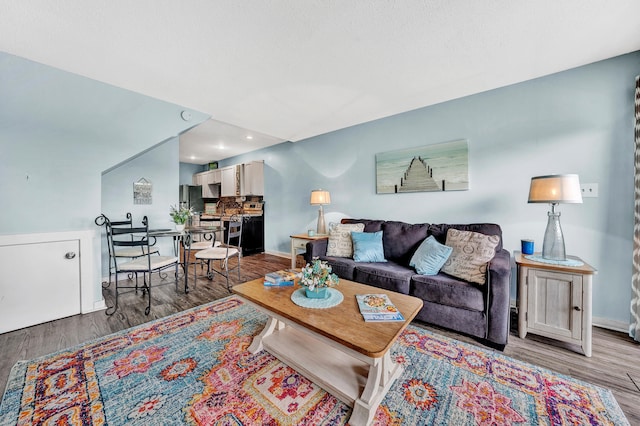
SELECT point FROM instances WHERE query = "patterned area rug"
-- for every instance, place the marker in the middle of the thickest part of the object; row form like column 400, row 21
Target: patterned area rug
column 193, row 368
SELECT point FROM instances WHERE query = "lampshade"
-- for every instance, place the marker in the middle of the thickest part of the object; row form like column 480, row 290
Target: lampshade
column 320, row 197
column 555, row 189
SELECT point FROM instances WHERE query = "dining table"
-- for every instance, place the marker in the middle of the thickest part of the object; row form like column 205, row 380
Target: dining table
column 184, row 239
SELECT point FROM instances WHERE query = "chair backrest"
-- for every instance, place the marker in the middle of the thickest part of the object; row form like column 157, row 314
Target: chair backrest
column 103, row 220
column 234, row 232
column 124, row 234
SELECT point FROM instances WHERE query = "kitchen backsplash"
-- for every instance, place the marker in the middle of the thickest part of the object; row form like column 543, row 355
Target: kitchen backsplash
column 235, row 205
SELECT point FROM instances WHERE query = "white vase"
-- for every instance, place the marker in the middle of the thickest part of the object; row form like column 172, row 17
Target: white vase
column 180, row 227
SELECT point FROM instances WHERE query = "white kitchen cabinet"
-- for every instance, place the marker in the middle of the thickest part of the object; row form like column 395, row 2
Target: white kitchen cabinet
column 230, row 185
column 215, row 176
column 210, row 190
column 253, row 178
column 210, row 182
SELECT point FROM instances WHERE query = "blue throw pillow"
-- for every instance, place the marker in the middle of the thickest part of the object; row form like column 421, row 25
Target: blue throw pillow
column 430, row 257
column 367, row 247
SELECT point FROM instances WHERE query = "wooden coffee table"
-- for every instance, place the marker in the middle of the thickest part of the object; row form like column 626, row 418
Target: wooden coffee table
column 334, row 347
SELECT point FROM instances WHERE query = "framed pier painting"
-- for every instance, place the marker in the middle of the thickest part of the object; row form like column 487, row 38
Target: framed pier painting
column 431, row 168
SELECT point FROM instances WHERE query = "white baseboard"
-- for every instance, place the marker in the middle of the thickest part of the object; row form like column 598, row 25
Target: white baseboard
column 98, row 306
column 610, row 324
column 607, row 323
column 286, row 255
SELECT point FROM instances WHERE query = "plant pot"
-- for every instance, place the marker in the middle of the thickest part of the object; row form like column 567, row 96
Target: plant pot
column 180, row 227
column 318, row 293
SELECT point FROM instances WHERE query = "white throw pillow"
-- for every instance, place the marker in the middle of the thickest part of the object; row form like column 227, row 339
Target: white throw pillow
column 471, row 253
column 340, row 244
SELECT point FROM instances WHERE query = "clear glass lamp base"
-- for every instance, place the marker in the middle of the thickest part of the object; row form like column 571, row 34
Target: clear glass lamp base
column 553, row 244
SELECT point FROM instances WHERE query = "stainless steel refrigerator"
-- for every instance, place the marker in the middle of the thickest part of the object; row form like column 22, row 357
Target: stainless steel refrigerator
column 191, row 196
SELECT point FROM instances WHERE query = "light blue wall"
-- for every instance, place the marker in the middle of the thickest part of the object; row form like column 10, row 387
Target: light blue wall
column 578, row 121
column 158, row 166
column 59, row 132
column 187, row 171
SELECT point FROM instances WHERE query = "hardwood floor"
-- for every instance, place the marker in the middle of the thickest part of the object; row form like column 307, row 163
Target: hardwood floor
column 615, row 363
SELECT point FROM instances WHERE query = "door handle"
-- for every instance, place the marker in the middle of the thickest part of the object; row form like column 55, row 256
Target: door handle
column 70, row 255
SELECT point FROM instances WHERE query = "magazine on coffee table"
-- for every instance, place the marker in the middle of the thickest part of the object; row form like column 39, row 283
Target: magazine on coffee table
column 378, row 308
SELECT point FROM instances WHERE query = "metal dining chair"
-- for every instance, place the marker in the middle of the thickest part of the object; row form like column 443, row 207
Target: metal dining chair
column 224, row 252
column 137, row 238
column 129, row 252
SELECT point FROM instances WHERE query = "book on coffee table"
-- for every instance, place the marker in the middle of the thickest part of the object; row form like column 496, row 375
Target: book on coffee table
column 378, row 307
column 284, row 277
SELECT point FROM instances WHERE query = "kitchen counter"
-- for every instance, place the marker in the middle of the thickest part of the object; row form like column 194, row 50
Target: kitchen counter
column 227, row 216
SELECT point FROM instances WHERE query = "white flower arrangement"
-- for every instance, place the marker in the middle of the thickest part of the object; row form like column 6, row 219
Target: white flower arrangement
column 317, row 274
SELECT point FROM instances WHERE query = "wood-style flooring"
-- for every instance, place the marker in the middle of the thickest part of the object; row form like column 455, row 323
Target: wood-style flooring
column 615, row 363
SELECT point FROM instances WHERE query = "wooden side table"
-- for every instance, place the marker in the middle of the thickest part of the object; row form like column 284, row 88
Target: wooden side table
column 555, row 301
column 299, row 242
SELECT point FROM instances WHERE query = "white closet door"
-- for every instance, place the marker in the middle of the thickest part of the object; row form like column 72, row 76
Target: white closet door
column 38, row 283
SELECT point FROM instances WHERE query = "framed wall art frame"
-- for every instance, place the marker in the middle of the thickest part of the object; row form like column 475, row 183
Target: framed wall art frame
column 430, row 168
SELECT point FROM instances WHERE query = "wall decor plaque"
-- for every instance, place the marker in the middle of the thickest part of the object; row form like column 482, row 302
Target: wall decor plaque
column 142, row 192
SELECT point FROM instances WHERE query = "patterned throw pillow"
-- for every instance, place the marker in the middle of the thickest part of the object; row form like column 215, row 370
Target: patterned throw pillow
column 471, row 253
column 339, row 244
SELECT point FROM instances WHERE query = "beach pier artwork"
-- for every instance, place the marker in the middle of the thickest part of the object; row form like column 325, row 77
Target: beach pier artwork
column 431, row 168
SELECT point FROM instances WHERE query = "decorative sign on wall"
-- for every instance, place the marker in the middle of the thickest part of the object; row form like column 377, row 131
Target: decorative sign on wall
column 142, row 191
column 437, row 167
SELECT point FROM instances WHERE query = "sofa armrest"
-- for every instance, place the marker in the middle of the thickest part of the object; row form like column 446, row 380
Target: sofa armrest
column 499, row 297
column 315, row 248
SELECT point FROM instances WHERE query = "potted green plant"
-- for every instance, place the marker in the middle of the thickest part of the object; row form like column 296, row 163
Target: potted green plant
column 180, row 216
column 317, row 278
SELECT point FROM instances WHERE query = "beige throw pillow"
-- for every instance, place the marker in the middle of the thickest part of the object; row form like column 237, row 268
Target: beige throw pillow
column 340, row 244
column 471, row 253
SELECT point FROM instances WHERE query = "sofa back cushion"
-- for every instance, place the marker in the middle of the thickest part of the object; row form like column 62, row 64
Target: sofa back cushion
column 439, row 231
column 369, row 225
column 401, row 240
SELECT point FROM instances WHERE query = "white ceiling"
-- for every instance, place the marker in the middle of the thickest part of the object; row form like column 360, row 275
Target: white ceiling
column 292, row 69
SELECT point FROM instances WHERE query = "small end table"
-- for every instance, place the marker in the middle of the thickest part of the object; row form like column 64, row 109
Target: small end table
column 299, row 242
column 555, row 301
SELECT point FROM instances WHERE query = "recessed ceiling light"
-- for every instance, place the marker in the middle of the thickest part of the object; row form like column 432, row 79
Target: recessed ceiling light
column 193, row 157
column 249, row 137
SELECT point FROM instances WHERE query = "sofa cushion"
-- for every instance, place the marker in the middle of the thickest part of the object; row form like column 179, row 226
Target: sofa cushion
column 340, row 244
column 471, row 253
column 439, row 231
column 430, row 256
column 449, row 291
column 343, row 267
column 401, row 240
column 369, row 225
column 389, row 276
column 367, row 247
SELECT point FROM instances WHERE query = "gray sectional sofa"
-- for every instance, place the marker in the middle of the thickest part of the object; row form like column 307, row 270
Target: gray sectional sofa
column 481, row 311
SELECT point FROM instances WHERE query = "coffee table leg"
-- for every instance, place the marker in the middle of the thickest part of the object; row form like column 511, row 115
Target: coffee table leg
column 382, row 373
column 272, row 325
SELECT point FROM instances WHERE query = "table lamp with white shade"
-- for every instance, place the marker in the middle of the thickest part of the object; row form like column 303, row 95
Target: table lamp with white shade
column 320, row 197
column 554, row 189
